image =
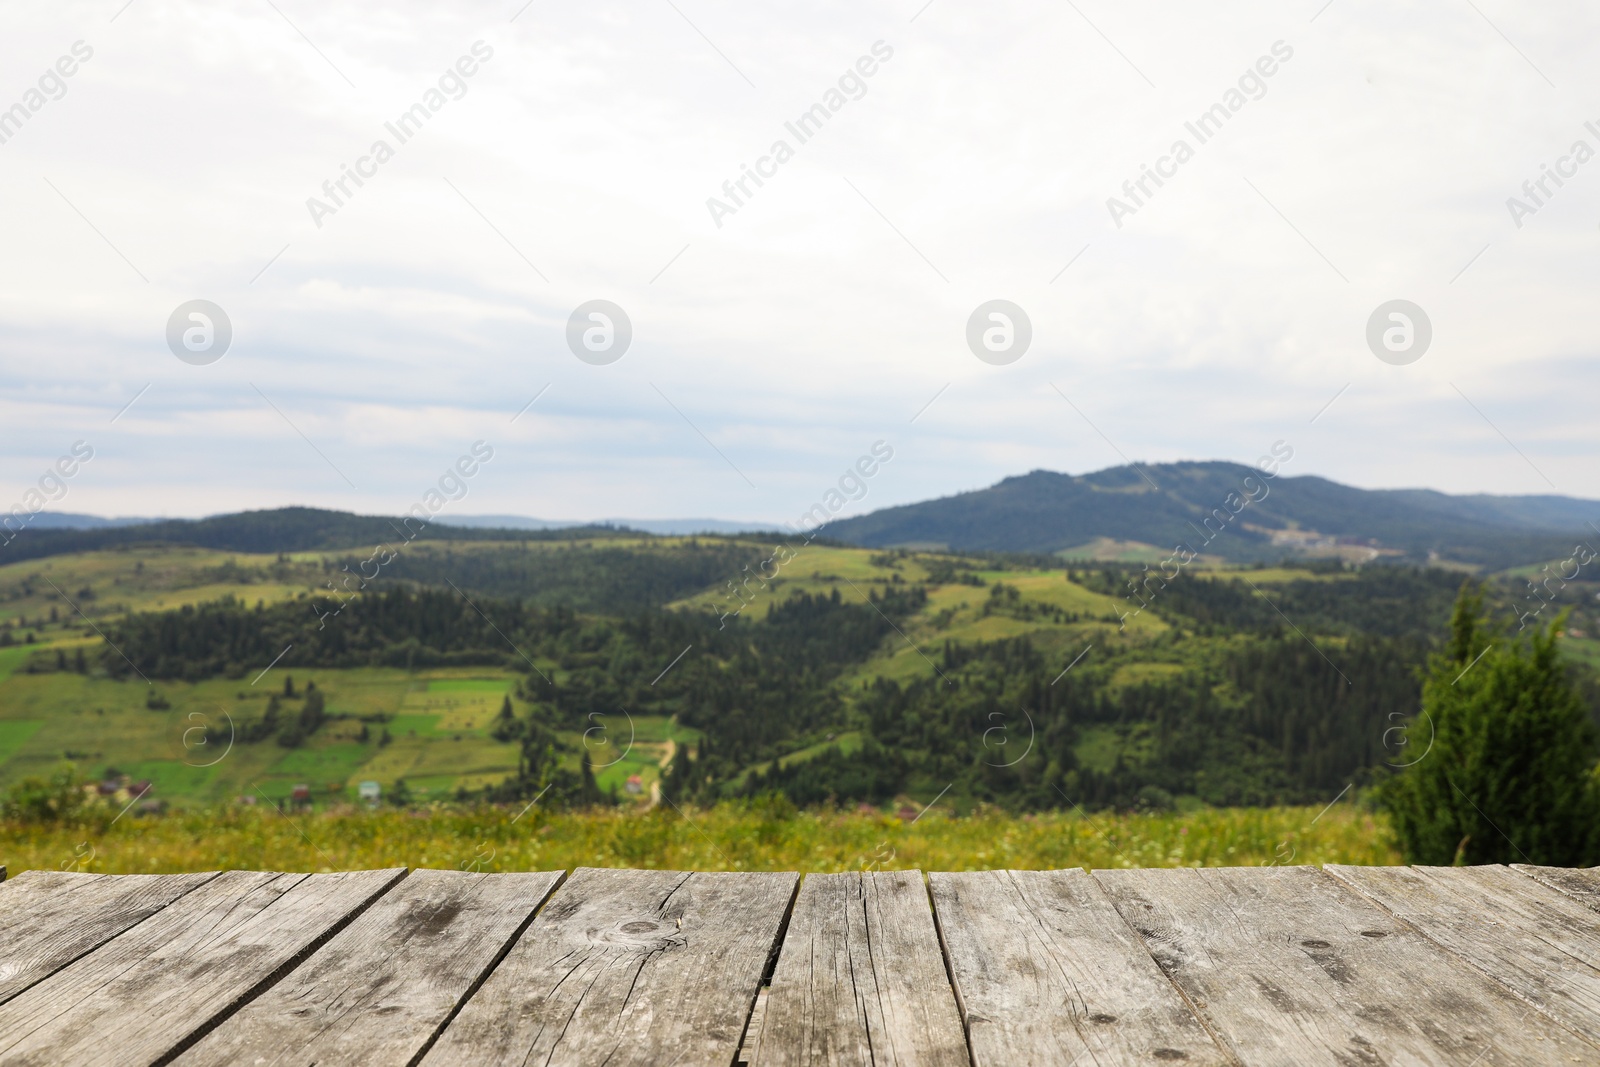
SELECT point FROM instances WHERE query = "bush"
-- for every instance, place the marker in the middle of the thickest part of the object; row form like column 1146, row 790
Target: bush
column 1154, row 799
column 1505, row 773
column 56, row 799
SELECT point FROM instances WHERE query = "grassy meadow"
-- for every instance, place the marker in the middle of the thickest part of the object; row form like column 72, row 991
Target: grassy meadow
column 430, row 728
column 745, row 837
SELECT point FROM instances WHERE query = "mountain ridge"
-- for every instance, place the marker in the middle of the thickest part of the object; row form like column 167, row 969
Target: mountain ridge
column 1208, row 506
column 1168, row 504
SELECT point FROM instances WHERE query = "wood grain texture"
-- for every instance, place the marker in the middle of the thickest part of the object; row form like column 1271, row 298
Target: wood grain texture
column 1580, row 883
column 627, row 968
column 1047, row 972
column 1539, row 943
column 752, row 1029
column 861, row 979
column 1286, row 965
column 50, row 918
column 145, row 994
column 379, row 990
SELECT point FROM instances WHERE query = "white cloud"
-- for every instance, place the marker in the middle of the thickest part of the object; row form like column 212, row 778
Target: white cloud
column 806, row 326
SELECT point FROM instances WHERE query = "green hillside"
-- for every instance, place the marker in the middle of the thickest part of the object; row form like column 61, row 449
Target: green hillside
column 717, row 668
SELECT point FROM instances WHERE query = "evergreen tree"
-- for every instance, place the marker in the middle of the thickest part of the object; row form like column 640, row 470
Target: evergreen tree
column 312, row 715
column 589, row 790
column 506, row 727
column 1504, row 753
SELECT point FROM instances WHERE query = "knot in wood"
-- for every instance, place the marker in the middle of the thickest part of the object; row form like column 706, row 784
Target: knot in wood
column 640, row 935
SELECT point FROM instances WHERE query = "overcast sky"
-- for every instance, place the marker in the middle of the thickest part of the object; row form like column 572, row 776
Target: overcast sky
column 774, row 344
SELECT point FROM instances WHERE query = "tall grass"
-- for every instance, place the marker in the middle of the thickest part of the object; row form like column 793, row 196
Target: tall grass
column 744, row 837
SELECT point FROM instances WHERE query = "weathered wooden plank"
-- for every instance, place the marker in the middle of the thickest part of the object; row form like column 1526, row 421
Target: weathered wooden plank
column 752, row 1030
column 1580, row 883
column 1285, row 965
column 861, row 978
column 627, row 967
column 379, row 991
column 147, row 993
column 50, row 918
column 1047, row 972
column 1542, row 945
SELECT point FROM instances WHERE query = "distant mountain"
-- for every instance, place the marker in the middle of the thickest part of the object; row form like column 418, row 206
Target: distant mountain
column 1124, row 510
column 1047, row 512
column 664, row 527
column 67, row 520
column 277, row 530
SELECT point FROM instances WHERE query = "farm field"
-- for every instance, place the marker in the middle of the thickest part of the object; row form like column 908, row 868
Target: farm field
column 41, row 593
column 430, row 728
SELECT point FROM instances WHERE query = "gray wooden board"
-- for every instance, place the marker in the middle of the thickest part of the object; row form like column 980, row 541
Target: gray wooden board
column 1285, row 965
column 627, row 967
column 752, row 1030
column 1580, row 883
column 1540, row 944
column 379, row 990
column 861, row 979
column 50, row 918
column 146, row 993
column 1047, row 972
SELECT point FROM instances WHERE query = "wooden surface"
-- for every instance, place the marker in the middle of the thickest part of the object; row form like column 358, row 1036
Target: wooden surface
column 1472, row 967
column 861, row 979
column 379, row 991
column 1581, row 885
column 628, row 967
column 1047, row 972
column 149, row 991
column 1532, row 939
column 1285, row 965
column 50, row 918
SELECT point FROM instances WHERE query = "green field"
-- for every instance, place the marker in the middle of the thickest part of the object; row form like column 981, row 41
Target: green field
column 742, row 837
column 437, row 724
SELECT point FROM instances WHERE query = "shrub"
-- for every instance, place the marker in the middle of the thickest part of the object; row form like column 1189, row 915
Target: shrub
column 1507, row 753
column 58, row 798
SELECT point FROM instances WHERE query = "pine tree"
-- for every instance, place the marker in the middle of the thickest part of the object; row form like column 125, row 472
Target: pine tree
column 506, row 727
column 1502, row 751
column 590, row 790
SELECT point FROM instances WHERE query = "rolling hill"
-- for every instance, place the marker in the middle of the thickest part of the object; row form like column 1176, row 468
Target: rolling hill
column 1127, row 513
column 1167, row 504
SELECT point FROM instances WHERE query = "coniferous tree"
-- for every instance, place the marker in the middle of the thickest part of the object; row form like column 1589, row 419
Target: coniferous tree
column 1504, row 753
column 590, row 791
column 506, row 727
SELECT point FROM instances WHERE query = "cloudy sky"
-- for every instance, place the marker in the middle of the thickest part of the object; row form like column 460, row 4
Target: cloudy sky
column 773, row 344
